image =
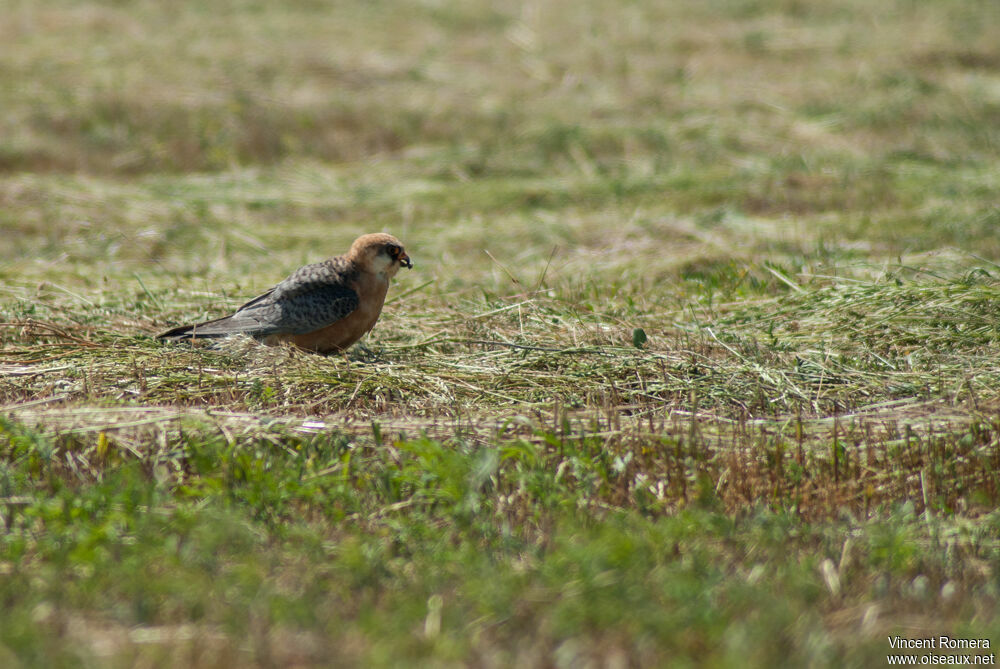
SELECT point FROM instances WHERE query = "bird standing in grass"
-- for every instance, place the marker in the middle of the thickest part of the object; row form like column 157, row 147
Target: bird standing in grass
column 323, row 307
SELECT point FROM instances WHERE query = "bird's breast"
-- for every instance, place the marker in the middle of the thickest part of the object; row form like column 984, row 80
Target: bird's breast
column 342, row 334
column 371, row 290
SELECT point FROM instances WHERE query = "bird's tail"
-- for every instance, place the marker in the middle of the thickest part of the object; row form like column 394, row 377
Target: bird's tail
column 221, row 327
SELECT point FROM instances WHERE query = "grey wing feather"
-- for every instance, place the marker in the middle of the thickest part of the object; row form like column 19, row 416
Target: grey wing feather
column 313, row 297
column 301, row 313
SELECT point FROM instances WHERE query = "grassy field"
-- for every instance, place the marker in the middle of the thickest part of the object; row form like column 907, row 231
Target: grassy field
column 698, row 365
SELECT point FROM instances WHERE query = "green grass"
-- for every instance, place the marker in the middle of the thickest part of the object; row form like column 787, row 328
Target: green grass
column 697, row 365
column 272, row 547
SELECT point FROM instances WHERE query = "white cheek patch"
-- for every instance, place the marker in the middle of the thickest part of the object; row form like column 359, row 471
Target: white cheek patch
column 381, row 263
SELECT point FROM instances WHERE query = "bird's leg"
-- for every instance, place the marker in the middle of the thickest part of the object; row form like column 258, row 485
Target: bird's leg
column 364, row 354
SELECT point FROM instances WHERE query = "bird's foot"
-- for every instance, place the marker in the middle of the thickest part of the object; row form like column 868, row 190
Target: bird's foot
column 363, row 353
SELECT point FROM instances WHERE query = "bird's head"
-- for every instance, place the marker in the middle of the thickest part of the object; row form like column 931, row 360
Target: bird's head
column 380, row 253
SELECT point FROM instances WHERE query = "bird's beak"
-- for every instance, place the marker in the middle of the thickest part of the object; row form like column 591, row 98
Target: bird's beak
column 404, row 260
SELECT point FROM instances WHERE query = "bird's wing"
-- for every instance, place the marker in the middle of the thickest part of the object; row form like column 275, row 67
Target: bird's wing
column 313, row 297
column 300, row 313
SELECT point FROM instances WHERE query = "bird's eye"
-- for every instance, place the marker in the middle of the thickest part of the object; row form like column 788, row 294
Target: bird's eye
column 392, row 250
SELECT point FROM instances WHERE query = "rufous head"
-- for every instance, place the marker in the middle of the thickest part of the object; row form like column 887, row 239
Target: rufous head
column 380, row 253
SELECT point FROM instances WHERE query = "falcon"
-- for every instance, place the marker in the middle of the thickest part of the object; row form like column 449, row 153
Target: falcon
column 324, row 307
